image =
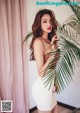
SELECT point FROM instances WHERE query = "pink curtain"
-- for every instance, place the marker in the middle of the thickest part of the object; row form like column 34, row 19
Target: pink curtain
column 13, row 54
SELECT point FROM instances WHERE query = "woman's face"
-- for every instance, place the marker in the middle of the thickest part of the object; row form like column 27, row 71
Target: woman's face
column 46, row 24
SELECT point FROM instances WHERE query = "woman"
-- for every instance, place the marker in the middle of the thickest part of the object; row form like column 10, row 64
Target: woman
column 44, row 42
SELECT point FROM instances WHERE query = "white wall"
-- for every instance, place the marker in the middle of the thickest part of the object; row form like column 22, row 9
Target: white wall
column 71, row 95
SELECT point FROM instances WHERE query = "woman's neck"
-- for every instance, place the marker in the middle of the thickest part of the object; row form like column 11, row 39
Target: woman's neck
column 45, row 38
column 45, row 35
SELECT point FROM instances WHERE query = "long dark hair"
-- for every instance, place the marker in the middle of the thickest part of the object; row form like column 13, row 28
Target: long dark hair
column 36, row 27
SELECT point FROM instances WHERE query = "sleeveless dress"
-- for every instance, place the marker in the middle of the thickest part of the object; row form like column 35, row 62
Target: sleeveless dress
column 44, row 97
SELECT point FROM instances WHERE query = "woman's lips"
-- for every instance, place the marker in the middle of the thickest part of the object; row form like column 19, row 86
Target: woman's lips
column 49, row 28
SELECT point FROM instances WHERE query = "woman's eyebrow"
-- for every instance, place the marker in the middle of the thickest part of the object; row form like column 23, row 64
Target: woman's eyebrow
column 46, row 19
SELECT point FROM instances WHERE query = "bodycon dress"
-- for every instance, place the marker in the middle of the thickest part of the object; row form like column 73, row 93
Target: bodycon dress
column 43, row 96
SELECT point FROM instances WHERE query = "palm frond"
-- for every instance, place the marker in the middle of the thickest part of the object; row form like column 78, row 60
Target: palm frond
column 67, row 34
column 28, row 36
column 73, row 22
column 65, row 66
column 74, row 7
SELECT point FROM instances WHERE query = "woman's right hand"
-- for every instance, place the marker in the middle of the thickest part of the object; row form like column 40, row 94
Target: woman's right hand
column 54, row 42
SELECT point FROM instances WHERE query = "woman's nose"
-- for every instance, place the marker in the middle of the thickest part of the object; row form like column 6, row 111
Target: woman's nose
column 49, row 23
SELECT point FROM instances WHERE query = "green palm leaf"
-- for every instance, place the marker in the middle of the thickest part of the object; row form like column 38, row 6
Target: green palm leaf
column 64, row 69
column 66, row 32
column 66, row 63
column 28, row 36
column 73, row 22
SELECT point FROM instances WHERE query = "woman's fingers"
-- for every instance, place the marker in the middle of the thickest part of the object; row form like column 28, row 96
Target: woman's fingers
column 54, row 39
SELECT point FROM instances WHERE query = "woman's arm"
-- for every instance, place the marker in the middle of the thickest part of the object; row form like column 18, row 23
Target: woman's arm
column 39, row 57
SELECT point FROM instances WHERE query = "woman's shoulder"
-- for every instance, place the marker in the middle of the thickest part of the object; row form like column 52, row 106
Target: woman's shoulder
column 37, row 41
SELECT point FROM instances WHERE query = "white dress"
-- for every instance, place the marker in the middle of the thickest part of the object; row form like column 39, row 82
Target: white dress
column 43, row 96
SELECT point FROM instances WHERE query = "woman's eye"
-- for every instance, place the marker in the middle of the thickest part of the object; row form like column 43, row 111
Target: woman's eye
column 44, row 21
column 50, row 21
column 47, row 21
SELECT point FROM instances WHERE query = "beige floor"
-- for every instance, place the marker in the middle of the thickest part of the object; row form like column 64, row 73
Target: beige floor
column 61, row 110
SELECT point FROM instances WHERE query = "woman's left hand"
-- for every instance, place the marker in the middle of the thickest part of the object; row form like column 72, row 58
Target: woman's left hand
column 54, row 42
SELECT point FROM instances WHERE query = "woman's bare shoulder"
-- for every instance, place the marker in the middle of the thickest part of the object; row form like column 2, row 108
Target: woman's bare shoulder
column 37, row 42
